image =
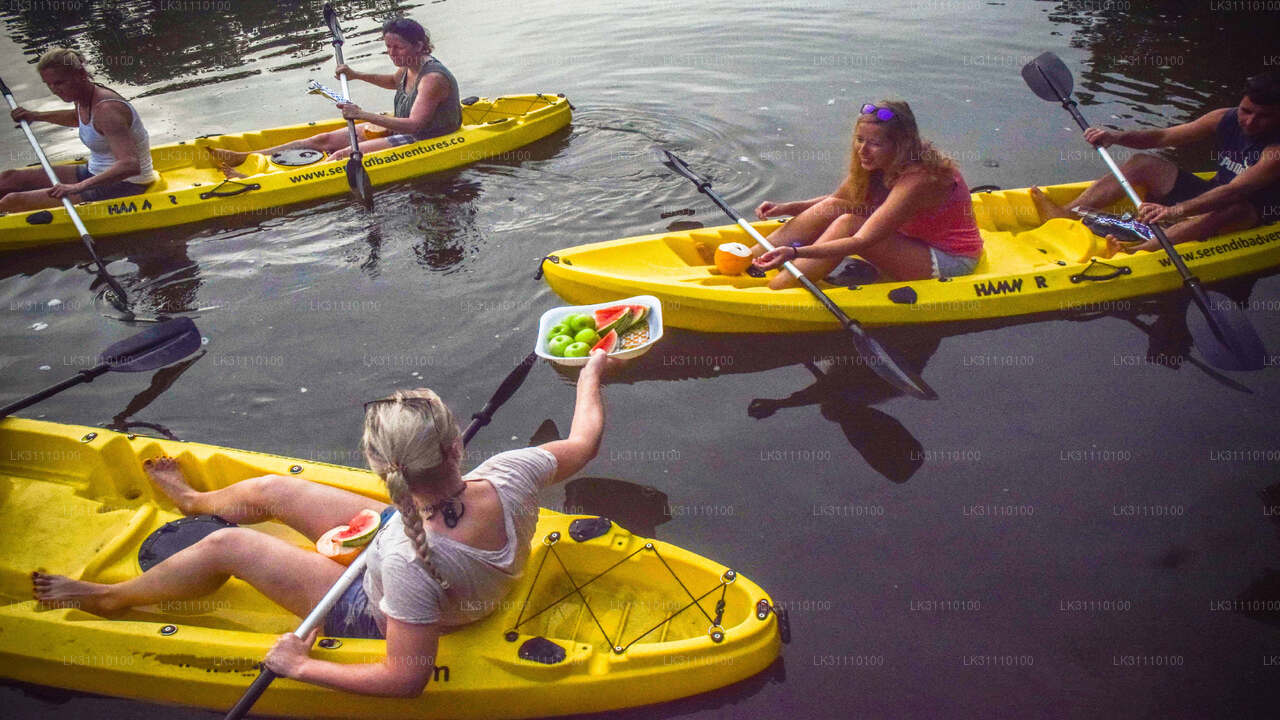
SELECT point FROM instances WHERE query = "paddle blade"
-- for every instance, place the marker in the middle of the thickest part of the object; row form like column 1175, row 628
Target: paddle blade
column 358, row 179
column 331, row 19
column 1048, row 77
column 676, row 165
column 873, row 354
column 166, row 343
column 1224, row 336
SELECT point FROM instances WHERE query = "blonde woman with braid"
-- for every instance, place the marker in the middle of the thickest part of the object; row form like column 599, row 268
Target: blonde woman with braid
column 447, row 558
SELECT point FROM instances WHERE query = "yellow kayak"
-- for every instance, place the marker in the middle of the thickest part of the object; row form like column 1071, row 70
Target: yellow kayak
column 191, row 188
column 1025, row 268
column 74, row 500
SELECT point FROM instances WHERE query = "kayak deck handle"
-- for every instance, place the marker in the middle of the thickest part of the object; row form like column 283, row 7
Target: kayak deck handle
column 242, row 188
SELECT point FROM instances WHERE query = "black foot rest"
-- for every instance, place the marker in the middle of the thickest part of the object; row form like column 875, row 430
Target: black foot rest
column 541, row 650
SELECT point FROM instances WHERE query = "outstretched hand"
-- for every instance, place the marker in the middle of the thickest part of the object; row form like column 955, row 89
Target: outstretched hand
column 1149, row 212
column 352, row 111
column 1101, row 137
column 768, row 209
column 774, row 258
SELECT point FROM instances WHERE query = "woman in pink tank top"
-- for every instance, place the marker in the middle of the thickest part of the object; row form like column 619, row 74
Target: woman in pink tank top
column 904, row 207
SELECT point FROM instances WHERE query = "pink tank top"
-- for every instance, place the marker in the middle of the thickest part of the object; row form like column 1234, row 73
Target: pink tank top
column 950, row 227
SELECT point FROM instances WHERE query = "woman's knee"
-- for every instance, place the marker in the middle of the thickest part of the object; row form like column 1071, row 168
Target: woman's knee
column 224, row 547
column 265, row 493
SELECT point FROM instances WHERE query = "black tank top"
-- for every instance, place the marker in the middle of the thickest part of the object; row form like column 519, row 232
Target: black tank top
column 1237, row 152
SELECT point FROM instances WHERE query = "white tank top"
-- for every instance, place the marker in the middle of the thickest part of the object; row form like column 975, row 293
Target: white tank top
column 100, row 156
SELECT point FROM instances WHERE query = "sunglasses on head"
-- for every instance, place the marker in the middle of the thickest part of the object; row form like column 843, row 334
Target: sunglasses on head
column 416, row 402
column 883, row 114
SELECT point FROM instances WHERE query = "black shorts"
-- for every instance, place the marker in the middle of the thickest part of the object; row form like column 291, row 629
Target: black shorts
column 1187, row 186
column 106, row 192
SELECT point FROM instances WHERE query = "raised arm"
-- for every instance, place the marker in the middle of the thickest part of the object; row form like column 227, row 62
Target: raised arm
column 575, row 451
column 1202, row 128
column 768, row 208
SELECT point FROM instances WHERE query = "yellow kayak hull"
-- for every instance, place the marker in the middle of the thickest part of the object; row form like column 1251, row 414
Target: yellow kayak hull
column 74, row 500
column 1026, row 268
column 192, row 189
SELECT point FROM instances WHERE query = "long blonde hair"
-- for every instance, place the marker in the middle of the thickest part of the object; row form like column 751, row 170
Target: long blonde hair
column 409, row 440
column 911, row 152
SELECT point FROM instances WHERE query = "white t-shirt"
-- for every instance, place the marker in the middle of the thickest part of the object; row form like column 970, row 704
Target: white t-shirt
column 398, row 585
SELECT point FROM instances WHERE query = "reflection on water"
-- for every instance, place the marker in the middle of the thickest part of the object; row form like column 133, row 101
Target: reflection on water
column 146, row 43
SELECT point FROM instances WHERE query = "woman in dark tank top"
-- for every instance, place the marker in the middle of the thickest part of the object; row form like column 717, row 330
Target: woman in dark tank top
column 426, row 103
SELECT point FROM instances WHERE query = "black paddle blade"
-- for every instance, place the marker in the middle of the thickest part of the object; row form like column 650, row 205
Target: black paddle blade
column 676, row 165
column 878, row 359
column 1224, row 336
column 1048, row 77
column 358, row 179
column 331, row 18
column 166, row 343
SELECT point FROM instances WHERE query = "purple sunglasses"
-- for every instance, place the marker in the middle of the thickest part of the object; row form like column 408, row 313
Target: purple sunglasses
column 882, row 114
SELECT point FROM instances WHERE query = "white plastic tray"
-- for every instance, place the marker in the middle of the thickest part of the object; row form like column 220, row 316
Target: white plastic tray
column 555, row 315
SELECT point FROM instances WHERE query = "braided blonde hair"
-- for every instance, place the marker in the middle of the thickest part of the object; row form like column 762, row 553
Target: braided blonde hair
column 409, row 440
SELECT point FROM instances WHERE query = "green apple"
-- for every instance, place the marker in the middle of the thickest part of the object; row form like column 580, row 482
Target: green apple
column 578, row 349
column 586, row 335
column 579, row 321
column 560, row 328
column 557, row 345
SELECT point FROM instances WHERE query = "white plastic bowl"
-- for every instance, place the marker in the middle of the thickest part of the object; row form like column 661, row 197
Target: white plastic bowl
column 553, row 316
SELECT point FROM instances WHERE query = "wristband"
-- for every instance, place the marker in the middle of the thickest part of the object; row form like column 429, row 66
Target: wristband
column 795, row 248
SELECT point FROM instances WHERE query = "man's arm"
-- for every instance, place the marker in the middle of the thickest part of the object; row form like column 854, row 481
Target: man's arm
column 1202, row 128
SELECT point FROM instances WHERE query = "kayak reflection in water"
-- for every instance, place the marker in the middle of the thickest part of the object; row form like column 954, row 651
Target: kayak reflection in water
column 119, row 147
column 903, row 207
column 448, row 558
column 426, row 103
column 1244, row 193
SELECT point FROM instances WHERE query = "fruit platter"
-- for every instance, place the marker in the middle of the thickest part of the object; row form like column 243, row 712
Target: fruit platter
column 625, row 329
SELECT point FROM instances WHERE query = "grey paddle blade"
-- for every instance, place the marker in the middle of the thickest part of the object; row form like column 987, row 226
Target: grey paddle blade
column 331, row 18
column 166, row 343
column 359, row 181
column 1225, row 336
column 878, row 359
column 1048, row 77
column 678, row 166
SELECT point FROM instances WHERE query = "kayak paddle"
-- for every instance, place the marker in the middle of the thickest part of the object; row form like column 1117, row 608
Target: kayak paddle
column 1218, row 326
column 868, row 349
column 357, row 176
column 116, row 297
column 504, row 392
column 155, row 347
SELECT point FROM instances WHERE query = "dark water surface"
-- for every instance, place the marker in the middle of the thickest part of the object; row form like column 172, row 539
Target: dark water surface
column 1068, row 531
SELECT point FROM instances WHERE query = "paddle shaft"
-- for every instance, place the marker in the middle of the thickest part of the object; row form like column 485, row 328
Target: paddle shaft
column 504, row 392
column 85, row 237
column 346, row 93
column 83, row 376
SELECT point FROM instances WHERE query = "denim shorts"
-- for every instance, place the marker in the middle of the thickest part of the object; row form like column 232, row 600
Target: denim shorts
column 106, row 192
column 946, row 265
column 351, row 616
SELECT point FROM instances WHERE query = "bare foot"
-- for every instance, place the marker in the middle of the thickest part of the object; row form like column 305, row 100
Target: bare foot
column 58, row 592
column 1047, row 208
column 167, row 475
column 227, row 159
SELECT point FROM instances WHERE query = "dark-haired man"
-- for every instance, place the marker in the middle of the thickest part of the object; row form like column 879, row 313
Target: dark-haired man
column 1244, row 193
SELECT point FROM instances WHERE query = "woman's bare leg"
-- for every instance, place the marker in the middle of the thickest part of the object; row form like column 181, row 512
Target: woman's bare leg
column 324, row 142
column 290, row 576
column 815, row 269
column 808, row 225
column 310, row 508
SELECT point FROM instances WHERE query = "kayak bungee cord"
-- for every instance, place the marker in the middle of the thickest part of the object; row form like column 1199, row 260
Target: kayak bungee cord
column 716, row 632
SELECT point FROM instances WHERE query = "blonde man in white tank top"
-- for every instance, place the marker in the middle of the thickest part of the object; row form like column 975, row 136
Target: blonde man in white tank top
column 119, row 147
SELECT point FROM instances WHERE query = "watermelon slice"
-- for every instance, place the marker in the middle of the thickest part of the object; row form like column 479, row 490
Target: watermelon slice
column 333, row 550
column 638, row 314
column 617, row 317
column 359, row 530
column 607, row 343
